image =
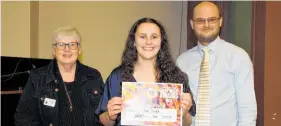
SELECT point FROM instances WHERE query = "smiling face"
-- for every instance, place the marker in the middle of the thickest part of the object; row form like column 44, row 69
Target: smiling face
column 66, row 46
column 206, row 22
column 147, row 41
column 70, row 53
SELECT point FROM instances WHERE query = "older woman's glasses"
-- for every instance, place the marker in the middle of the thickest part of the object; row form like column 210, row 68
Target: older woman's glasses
column 211, row 20
column 71, row 45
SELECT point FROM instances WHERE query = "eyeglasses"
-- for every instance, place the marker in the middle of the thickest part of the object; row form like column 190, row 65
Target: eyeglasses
column 211, row 20
column 71, row 45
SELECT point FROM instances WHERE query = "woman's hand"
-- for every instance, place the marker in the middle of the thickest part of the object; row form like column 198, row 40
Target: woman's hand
column 114, row 107
column 186, row 103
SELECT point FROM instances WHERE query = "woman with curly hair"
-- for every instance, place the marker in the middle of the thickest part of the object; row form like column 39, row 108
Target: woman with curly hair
column 146, row 58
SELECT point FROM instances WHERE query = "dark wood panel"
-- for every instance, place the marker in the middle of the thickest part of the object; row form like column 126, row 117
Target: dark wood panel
column 258, row 55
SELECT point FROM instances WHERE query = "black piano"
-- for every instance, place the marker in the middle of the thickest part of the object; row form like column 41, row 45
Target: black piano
column 14, row 75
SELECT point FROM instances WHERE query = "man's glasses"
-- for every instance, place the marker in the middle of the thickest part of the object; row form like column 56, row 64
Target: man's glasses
column 71, row 45
column 211, row 20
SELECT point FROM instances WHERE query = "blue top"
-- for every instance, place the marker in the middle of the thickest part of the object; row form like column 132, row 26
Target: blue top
column 112, row 88
column 233, row 101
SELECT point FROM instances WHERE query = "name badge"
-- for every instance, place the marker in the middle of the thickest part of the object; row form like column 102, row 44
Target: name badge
column 50, row 102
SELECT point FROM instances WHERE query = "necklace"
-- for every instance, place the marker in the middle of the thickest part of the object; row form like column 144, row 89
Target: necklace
column 69, row 99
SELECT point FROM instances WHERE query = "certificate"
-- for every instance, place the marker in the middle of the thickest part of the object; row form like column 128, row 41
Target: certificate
column 151, row 104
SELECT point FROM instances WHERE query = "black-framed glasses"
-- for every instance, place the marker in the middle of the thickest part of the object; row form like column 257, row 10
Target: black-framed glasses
column 210, row 20
column 71, row 45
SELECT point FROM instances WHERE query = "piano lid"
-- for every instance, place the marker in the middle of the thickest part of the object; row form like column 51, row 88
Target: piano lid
column 20, row 66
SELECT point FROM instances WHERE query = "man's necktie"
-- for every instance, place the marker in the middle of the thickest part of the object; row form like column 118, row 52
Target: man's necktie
column 203, row 113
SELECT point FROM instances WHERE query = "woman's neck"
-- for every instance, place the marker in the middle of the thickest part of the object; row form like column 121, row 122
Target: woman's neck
column 145, row 64
column 67, row 71
column 144, row 71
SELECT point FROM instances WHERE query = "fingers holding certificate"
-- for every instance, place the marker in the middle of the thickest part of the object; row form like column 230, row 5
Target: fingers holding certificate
column 186, row 103
column 114, row 107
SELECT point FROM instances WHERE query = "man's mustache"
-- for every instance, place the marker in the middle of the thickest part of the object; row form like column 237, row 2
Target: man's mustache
column 207, row 28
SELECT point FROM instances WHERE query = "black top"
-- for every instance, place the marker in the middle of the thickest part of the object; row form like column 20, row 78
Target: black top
column 69, row 87
column 70, row 109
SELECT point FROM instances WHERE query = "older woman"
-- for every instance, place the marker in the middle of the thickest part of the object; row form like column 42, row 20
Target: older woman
column 146, row 58
column 63, row 93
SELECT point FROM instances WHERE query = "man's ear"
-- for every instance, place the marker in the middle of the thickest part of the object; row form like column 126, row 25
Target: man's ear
column 221, row 20
column 191, row 23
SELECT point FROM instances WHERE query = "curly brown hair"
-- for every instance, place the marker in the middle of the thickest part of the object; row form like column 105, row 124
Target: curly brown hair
column 165, row 67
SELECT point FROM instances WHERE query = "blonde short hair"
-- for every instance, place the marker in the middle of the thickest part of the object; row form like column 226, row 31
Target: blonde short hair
column 66, row 32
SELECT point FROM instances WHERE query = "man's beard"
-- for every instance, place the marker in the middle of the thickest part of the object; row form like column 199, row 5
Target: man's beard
column 209, row 38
